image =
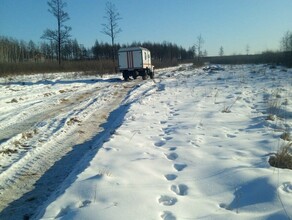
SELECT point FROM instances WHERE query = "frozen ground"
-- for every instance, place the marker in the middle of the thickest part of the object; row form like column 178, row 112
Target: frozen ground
column 189, row 145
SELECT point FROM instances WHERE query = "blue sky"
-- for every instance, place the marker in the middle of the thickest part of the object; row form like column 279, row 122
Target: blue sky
column 233, row 24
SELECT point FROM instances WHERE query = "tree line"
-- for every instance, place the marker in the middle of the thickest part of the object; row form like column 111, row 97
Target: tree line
column 16, row 51
column 283, row 56
column 159, row 51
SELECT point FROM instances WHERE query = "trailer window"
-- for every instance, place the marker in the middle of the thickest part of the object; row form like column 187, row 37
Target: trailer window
column 145, row 56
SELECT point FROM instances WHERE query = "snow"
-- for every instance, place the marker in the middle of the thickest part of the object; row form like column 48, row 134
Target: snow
column 191, row 144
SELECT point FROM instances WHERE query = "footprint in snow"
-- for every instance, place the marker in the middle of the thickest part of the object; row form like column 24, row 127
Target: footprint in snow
column 170, row 177
column 171, row 156
column 180, row 189
column 167, row 200
column 63, row 212
column 167, row 138
column 160, row 143
column 84, row 203
column 110, row 149
column 166, row 215
column 286, row 187
column 231, row 135
column 172, row 149
column 193, row 143
column 168, row 130
column 224, row 206
column 179, row 166
column 174, row 113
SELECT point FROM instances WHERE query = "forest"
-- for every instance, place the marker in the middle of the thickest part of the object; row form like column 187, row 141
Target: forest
column 281, row 57
column 15, row 51
column 32, row 57
column 18, row 56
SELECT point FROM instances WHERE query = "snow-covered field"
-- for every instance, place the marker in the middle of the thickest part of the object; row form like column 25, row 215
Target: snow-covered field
column 189, row 145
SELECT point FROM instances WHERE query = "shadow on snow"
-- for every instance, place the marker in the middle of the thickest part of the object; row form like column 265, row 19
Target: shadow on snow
column 62, row 81
column 50, row 186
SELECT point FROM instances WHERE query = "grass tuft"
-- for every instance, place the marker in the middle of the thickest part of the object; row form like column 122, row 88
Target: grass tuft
column 271, row 117
column 286, row 136
column 8, row 151
column 283, row 158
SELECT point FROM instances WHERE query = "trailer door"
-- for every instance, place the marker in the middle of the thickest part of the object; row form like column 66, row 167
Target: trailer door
column 146, row 59
column 123, row 60
column 137, row 59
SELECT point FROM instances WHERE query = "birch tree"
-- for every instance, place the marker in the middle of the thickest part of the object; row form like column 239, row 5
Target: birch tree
column 221, row 51
column 61, row 34
column 286, row 42
column 200, row 42
column 111, row 27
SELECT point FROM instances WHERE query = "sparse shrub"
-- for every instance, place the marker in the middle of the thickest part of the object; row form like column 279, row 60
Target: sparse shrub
column 73, row 121
column 104, row 172
column 16, row 143
column 271, row 117
column 198, row 63
column 286, row 136
column 274, row 107
column 27, row 135
column 226, row 109
column 87, row 67
column 63, row 100
column 285, row 102
column 283, row 158
column 13, row 101
column 8, row 151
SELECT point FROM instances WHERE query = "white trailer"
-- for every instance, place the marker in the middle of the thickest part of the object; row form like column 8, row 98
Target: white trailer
column 134, row 62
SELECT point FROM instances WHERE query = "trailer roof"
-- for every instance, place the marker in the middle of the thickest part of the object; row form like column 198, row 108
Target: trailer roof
column 132, row 49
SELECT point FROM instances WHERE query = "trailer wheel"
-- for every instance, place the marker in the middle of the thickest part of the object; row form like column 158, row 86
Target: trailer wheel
column 126, row 75
column 151, row 75
column 135, row 75
column 144, row 75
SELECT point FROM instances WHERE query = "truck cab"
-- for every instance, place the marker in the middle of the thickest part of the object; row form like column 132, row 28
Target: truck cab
column 134, row 62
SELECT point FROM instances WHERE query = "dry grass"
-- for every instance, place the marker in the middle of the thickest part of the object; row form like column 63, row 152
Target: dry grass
column 8, row 151
column 271, row 117
column 227, row 109
column 283, row 158
column 274, row 107
column 286, row 136
column 73, row 121
column 88, row 67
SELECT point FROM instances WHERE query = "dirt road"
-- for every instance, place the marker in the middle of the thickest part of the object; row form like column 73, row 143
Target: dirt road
column 46, row 128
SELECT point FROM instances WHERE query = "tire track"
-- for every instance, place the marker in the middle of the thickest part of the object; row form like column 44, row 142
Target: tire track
column 67, row 125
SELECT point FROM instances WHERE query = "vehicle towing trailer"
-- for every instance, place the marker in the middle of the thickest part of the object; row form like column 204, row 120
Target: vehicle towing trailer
column 134, row 62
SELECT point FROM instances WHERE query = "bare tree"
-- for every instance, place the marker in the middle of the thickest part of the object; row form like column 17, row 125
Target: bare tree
column 61, row 35
column 286, row 42
column 193, row 49
column 200, row 42
column 221, row 51
column 247, row 49
column 205, row 53
column 111, row 27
